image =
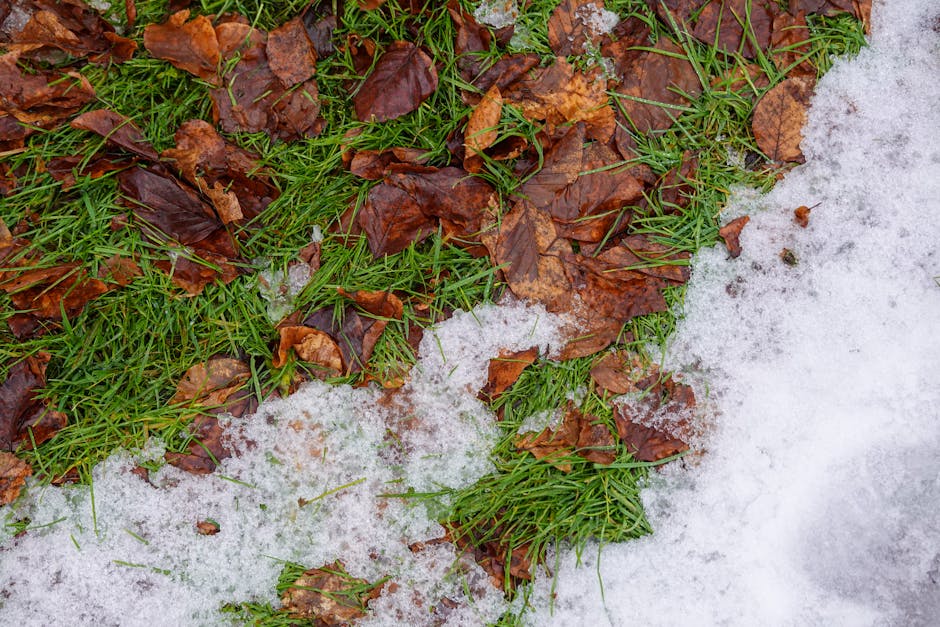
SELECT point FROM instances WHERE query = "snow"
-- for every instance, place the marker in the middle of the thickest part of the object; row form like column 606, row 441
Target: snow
column 304, row 486
column 816, row 502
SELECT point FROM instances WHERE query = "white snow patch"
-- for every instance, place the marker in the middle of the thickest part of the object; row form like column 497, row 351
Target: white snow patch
column 304, row 486
column 497, row 13
column 816, row 502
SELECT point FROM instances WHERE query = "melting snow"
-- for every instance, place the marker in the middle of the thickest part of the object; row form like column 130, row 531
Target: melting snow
column 817, row 501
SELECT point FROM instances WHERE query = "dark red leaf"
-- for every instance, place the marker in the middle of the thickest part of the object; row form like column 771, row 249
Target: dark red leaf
column 291, row 54
column 392, row 219
column 117, row 130
column 401, row 80
column 206, row 449
column 24, row 418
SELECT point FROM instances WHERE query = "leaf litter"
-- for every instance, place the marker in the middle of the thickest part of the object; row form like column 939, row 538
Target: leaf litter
column 565, row 243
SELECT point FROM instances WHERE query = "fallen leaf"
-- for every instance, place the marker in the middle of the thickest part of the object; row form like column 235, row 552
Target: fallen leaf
column 472, row 38
column 207, row 528
column 382, row 304
column 731, row 233
column 791, row 46
column 25, row 419
column 13, row 473
column 504, row 371
column 529, row 247
column 656, row 85
column 490, row 546
column 561, row 167
column 578, row 433
column 117, row 130
column 191, row 46
column 403, row 78
column 37, row 97
column 210, row 383
column 355, row 335
column 329, row 595
column 291, row 54
column 559, row 94
column 721, row 21
column 801, row 215
column 667, row 403
column 779, row 117
column 320, row 19
column 675, row 187
column 392, row 219
column 205, row 451
column 621, row 372
column 311, row 346
column 373, row 165
column 482, row 129
column 575, row 27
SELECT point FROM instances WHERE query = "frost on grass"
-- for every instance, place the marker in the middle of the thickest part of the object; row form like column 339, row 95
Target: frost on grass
column 304, row 485
column 816, row 502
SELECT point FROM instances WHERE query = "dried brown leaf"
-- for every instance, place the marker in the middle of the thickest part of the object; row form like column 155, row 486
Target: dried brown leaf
column 392, row 219
column 13, row 473
column 403, row 78
column 731, row 234
column 383, row 304
column 312, row 346
column 328, row 595
column 504, row 371
column 210, row 383
column 779, row 117
column 482, row 129
column 573, row 27
column 205, row 451
column 191, row 46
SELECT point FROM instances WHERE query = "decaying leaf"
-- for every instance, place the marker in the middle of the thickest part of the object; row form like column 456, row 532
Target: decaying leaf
column 621, row 372
column 392, row 219
column 207, row 527
column 117, row 130
column 13, row 473
column 731, row 234
column 206, row 449
column 667, row 404
column 471, row 38
column 559, row 94
column 355, row 335
column 211, row 383
column 191, row 45
column 291, row 54
column 790, row 42
column 779, row 117
column 504, row 371
column 44, row 29
column 329, row 595
column 25, row 419
column 801, row 215
column 312, row 346
column 492, row 549
column 656, row 85
column 482, row 128
column 382, row 304
column 578, row 433
column 37, row 97
column 403, row 78
column 575, row 26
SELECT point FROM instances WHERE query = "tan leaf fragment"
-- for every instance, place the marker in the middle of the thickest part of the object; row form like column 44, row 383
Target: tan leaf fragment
column 13, row 473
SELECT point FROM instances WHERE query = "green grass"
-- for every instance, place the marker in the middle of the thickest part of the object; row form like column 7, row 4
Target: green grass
column 115, row 365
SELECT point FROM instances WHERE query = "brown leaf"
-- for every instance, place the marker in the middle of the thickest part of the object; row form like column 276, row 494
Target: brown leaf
column 207, row 528
column 117, row 130
column 666, row 399
column 507, row 71
column 381, row 304
column 373, row 164
column 119, row 270
column 403, row 78
column 621, row 373
column 291, row 54
column 595, row 441
column 13, row 473
column 801, row 215
column 504, row 371
column 573, row 25
column 25, row 419
column 472, row 37
column 42, row 98
column 731, row 233
column 529, row 246
column 355, row 335
column 655, row 85
column 311, row 346
column 193, row 276
column 590, row 335
column 44, row 27
column 675, row 187
column 579, row 433
column 779, row 117
column 392, row 219
column 560, row 168
column 320, row 19
column 328, row 595
column 791, row 47
column 191, row 46
column 724, row 19
column 227, row 174
column 210, row 383
column 481, row 129
column 205, row 451
column 559, row 94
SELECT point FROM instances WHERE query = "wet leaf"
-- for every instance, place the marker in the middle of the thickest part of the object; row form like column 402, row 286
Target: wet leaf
column 205, row 451
column 801, row 215
column 731, row 234
column 472, row 37
column 382, row 304
column 529, row 246
column 13, row 473
column 374, row 164
column 291, row 54
column 790, row 45
column 721, row 21
column 560, row 168
column 559, row 94
column 26, row 419
column 668, row 404
column 578, row 433
column 575, row 27
column 42, row 98
column 320, row 20
column 392, row 219
column 779, row 117
column 329, row 595
column 355, row 335
column 69, row 26
column 207, row 527
column 504, row 371
column 656, row 85
column 190, row 46
column 482, row 129
column 310, row 345
column 403, row 78
column 621, row 372
column 117, row 130
column 211, row 383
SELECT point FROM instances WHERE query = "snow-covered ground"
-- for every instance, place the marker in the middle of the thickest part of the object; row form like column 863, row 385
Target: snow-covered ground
column 817, row 501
